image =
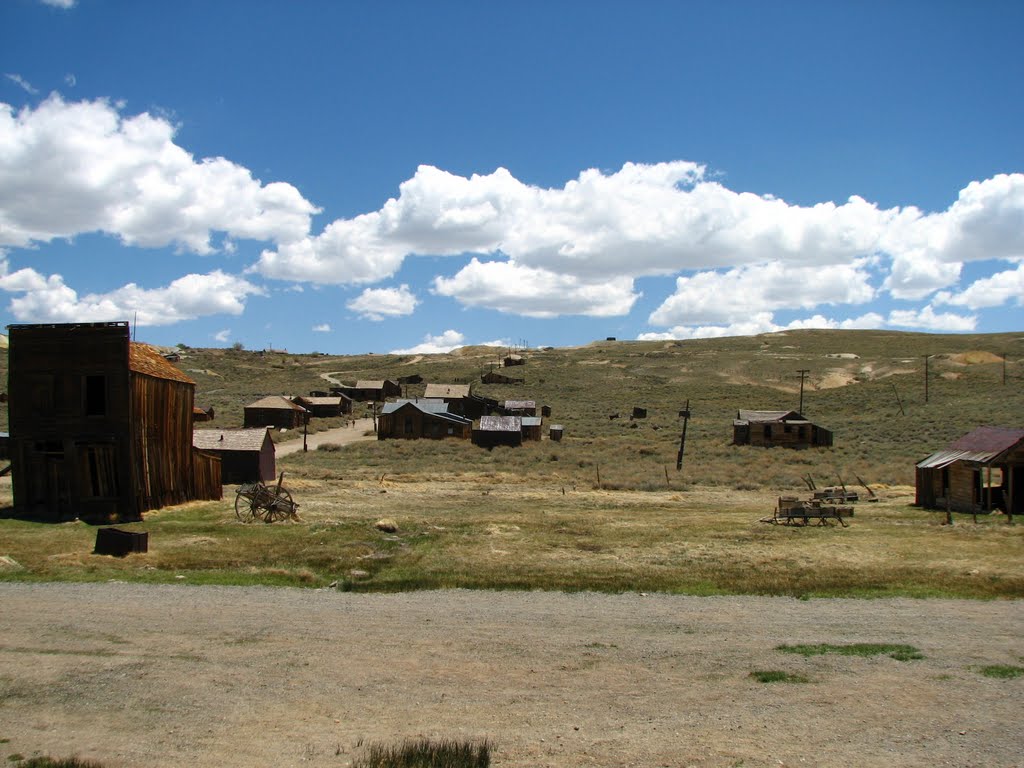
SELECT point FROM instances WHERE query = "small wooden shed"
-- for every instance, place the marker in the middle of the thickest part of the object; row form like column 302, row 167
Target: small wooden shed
column 531, row 426
column 275, row 411
column 786, row 429
column 325, row 406
column 246, row 455
column 498, row 430
column 520, row 407
column 980, row 472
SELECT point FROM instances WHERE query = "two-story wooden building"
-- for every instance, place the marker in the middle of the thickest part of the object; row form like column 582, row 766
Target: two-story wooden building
column 101, row 427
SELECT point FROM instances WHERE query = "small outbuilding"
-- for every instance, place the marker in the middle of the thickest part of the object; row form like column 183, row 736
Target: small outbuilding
column 413, row 419
column 520, row 407
column 493, row 377
column 246, row 455
column 375, row 390
column 511, row 360
column 498, row 430
column 980, row 472
column 786, row 429
column 531, row 427
column 275, row 411
column 325, row 406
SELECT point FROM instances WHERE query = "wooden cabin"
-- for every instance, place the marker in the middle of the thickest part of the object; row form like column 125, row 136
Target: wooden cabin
column 202, row 414
column 101, row 427
column 555, row 432
column 519, row 407
column 493, row 377
column 413, row 419
column 275, row 411
column 785, row 429
column 498, row 430
column 326, row 406
column 456, row 395
column 531, row 426
column 246, row 455
column 511, row 360
column 980, row 472
column 370, row 390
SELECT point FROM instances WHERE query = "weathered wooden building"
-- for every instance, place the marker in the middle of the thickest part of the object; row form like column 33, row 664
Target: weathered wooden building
column 370, row 391
column 202, row 414
column 511, row 360
column 498, row 430
column 275, row 411
column 785, row 429
column 246, row 455
column 493, row 377
column 101, row 427
column 531, row 427
column 324, row 407
column 519, row 407
column 980, row 472
column 413, row 419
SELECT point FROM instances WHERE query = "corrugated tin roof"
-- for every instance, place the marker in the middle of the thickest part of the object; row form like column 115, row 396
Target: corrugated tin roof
column 520, row 405
column 146, row 360
column 276, row 401
column 988, row 439
column 229, row 439
column 447, row 390
column 501, row 424
column 764, row 417
column 532, row 421
column 942, row 459
column 336, row 400
column 437, row 408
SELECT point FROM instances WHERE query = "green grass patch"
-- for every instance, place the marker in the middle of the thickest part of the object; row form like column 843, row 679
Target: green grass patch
column 62, row 762
column 1002, row 671
column 777, row 676
column 427, row 753
column 892, row 650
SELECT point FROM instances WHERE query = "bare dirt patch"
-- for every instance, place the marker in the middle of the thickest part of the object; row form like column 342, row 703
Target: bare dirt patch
column 135, row 675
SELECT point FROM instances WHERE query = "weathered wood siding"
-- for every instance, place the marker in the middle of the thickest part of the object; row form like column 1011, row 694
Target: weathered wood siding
column 161, row 434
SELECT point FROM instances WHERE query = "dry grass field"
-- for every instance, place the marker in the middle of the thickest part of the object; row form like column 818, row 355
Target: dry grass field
column 605, row 509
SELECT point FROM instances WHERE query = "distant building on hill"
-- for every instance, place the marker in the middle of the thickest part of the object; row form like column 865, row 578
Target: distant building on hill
column 275, row 411
column 785, row 429
column 246, row 455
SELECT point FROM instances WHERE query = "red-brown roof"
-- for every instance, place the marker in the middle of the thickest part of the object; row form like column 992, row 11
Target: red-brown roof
column 988, row 439
column 144, row 359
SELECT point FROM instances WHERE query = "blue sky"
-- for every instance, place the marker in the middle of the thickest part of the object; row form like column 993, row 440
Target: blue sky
column 350, row 177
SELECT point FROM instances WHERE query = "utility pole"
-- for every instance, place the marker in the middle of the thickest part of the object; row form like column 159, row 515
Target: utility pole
column 803, row 374
column 685, row 413
column 926, row 377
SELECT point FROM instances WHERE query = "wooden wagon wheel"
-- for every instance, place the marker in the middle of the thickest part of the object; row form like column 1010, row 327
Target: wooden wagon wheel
column 244, row 507
column 280, row 507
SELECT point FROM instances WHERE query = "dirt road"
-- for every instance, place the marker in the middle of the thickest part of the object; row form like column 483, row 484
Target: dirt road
column 340, row 435
column 135, row 675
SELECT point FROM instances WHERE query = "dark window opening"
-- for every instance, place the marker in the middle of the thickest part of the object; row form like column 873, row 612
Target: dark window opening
column 95, row 395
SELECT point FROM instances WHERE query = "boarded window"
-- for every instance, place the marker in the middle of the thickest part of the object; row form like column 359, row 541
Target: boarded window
column 41, row 394
column 96, row 395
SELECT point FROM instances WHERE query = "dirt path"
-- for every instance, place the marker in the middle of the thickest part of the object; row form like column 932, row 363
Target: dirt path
column 339, row 435
column 136, row 675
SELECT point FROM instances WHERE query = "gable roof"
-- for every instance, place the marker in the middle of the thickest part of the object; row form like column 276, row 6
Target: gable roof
column 229, row 439
column 310, row 400
column 435, row 408
column 447, row 390
column 276, row 401
column 501, row 424
column 146, row 360
column 980, row 445
column 767, row 417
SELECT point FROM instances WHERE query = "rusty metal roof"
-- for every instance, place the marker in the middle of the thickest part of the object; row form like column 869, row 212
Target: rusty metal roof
column 520, row 405
column 501, row 424
column 229, row 439
column 146, row 360
column 447, row 390
column 980, row 446
column 988, row 440
column 276, row 401
column 768, row 417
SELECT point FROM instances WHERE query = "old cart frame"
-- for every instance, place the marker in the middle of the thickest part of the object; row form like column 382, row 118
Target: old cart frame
column 256, row 501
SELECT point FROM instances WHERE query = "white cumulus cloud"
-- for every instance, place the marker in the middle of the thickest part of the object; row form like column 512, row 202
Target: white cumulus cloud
column 930, row 320
column 993, row 291
column 762, row 322
column 68, row 168
column 379, row 303
column 49, row 300
column 446, row 342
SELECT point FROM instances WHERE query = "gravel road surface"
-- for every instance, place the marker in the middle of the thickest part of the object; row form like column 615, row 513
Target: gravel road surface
column 139, row 675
